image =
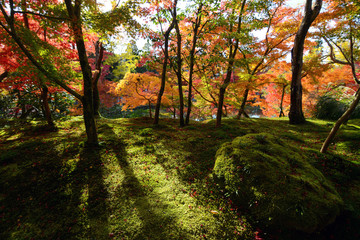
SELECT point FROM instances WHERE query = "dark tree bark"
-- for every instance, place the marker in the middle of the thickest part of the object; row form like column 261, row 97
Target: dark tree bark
column 281, row 114
column 232, row 53
column 44, row 89
column 179, row 73
column 46, row 108
column 163, row 74
column 243, row 104
column 150, row 113
column 192, row 62
column 4, row 75
column 99, row 54
column 296, row 115
column 87, row 99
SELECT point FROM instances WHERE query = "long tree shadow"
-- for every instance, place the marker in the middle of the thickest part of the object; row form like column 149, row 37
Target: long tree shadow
column 131, row 203
column 52, row 189
column 92, row 194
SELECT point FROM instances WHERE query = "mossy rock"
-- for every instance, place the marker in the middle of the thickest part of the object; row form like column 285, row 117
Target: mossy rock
column 276, row 184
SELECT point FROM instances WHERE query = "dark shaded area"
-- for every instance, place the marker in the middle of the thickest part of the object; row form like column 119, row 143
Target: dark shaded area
column 329, row 108
column 40, row 193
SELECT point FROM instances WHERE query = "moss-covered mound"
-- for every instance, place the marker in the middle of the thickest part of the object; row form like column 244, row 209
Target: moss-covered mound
column 276, row 183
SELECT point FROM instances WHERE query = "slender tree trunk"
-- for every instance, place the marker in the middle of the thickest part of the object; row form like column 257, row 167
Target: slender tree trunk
column 24, row 9
column 296, row 115
column 26, row 112
column 44, row 88
column 99, row 53
column 220, row 106
column 192, row 62
column 232, row 53
column 46, row 108
column 150, row 109
column 243, row 104
column 163, row 74
column 281, row 114
column 340, row 121
column 179, row 73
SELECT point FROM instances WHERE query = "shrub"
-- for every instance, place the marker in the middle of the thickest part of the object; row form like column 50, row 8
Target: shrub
column 328, row 108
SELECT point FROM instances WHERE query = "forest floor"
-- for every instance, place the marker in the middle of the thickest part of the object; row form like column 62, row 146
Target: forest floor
column 148, row 182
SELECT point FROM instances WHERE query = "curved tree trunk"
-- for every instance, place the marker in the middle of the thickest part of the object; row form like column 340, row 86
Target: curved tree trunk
column 339, row 122
column 296, row 115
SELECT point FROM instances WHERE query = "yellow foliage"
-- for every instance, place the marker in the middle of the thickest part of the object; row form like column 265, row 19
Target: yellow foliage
column 140, row 89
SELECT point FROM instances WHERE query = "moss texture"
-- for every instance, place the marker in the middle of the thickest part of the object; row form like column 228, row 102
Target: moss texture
column 276, row 184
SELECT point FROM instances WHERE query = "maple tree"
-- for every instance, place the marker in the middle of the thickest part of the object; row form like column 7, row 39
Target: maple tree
column 235, row 29
column 9, row 24
column 197, row 27
column 22, row 74
column 161, row 10
column 73, row 16
column 261, row 55
column 311, row 11
column 342, row 39
column 139, row 89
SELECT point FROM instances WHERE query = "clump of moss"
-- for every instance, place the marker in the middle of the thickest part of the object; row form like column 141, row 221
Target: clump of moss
column 276, row 184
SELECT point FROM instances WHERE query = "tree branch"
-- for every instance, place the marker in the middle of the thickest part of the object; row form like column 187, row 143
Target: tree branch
column 42, row 15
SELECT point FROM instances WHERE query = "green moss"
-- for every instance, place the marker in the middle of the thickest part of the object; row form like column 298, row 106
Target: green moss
column 276, row 183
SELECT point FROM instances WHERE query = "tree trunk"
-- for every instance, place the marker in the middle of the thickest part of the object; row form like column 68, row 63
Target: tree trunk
column 150, row 109
column 89, row 120
column 87, row 100
column 4, row 75
column 243, row 104
column 163, row 74
column 46, row 108
column 192, row 62
column 179, row 73
column 99, row 53
column 74, row 12
column 26, row 112
column 220, row 106
column 296, row 115
column 339, row 122
column 281, row 114
column 232, row 53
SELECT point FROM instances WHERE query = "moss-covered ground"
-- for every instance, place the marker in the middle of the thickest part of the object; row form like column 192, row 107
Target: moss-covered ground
column 151, row 182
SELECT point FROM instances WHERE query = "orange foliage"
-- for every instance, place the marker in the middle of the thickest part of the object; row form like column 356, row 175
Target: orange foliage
column 141, row 89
